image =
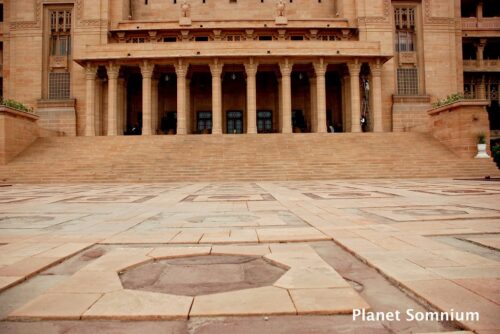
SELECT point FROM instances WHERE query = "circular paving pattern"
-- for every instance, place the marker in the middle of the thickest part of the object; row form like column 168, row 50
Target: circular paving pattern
column 201, row 275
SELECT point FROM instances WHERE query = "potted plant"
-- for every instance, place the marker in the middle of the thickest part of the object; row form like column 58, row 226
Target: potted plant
column 481, row 146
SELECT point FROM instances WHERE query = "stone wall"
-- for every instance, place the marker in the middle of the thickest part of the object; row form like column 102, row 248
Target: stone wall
column 409, row 114
column 58, row 117
column 457, row 126
column 17, row 131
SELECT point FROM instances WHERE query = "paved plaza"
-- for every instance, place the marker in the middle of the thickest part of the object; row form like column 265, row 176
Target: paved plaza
column 253, row 257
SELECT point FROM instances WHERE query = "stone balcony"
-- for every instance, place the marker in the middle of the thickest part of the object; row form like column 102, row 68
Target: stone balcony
column 483, row 27
column 339, row 50
column 486, row 65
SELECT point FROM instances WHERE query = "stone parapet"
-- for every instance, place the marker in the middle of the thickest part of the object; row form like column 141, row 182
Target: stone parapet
column 457, row 125
column 57, row 117
column 18, row 129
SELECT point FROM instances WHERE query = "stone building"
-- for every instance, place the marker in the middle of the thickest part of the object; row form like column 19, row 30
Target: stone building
column 96, row 67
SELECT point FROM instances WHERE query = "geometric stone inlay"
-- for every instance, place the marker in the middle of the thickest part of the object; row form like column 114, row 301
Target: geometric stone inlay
column 200, row 275
column 347, row 195
column 429, row 212
column 222, row 219
column 229, row 198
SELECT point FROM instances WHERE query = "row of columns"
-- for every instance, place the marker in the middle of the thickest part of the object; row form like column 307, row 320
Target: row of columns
column 318, row 93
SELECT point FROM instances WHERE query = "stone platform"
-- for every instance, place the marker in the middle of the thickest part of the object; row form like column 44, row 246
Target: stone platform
column 195, row 257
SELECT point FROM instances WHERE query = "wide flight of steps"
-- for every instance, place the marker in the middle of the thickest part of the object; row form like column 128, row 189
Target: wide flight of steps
column 239, row 158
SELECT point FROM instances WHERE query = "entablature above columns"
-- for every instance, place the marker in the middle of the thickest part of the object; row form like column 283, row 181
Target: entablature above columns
column 332, row 52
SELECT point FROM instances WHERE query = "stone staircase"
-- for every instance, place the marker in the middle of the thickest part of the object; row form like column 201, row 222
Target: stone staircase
column 239, row 158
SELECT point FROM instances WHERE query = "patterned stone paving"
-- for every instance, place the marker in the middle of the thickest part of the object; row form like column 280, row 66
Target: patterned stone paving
column 394, row 226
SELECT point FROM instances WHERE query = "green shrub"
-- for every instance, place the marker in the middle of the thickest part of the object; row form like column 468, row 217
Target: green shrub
column 449, row 99
column 481, row 138
column 15, row 105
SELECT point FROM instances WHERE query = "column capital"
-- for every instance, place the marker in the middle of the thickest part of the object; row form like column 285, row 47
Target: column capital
column 354, row 67
column 320, row 68
column 147, row 69
column 90, row 71
column 251, row 68
column 286, row 68
column 216, row 68
column 376, row 68
column 113, row 70
column 181, row 69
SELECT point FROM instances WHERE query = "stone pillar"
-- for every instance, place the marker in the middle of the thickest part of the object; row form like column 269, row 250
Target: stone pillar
column 216, row 70
column 346, row 85
column 480, row 52
column 376, row 71
column 314, row 105
column 121, row 105
column 481, row 89
column 286, row 94
column 99, row 107
column 479, row 9
column 154, row 105
column 125, row 104
column 280, row 104
column 181, row 71
column 251, row 70
column 147, row 73
column 320, row 69
column 354, row 68
column 188, row 106
column 113, row 71
column 90, row 74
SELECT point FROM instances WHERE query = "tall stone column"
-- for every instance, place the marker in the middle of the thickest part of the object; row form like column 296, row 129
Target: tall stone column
column 113, row 71
column 320, row 69
column 216, row 70
column 147, row 73
column 314, row 103
column 154, row 105
column 188, row 106
column 251, row 70
column 90, row 74
column 481, row 89
column 121, row 105
column 479, row 9
column 480, row 52
column 280, row 104
column 286, row 94
column 354, row 69
column 181, row 71
column 346, row 88
column 376, row 71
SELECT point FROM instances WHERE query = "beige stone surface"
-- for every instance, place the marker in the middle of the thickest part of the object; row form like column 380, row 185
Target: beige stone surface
column 139, row 305
column 89, row 282
column 290, row 234
column 327, row 301
column 60, row 306
column 119, row 259
column 259, row 301
column 7, row 281
column 28, row 266
column 252, row 250
column 173, row 252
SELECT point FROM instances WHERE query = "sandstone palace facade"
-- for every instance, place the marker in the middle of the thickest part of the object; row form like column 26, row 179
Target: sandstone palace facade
column 121, row 67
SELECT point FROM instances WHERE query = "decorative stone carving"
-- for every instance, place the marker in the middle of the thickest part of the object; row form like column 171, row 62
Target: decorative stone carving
column 185, row 19
column 281, row 13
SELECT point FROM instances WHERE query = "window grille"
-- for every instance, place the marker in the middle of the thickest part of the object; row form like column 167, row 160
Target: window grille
column 405, row 35
column 60, row 33
column 407, row 81
column 59, row 85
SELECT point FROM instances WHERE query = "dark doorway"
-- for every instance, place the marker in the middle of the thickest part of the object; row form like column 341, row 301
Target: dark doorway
column 204, row 122
column 234, row 120
column 264, row 121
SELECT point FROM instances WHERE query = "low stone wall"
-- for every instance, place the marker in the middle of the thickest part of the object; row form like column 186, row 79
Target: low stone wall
column 409, row 113
column 57, row 117
column 18, row 130
column 457, row 125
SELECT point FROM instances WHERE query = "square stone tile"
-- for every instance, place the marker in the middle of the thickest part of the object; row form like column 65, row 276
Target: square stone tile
column 89, row 282
column 229, row 198
column 432, row 212
column 258, row 301
column 55, row 306
column 139, row 305
column 359, row 194
column 327, row 301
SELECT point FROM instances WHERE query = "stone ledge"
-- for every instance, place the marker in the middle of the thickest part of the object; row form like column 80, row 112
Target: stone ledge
column 50, row 104
column 458, row 104
column 424, row 99
column 4, row 110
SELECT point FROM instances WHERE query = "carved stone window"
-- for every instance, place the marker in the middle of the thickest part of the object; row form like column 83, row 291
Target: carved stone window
column 404, row 19
column 60, row 32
